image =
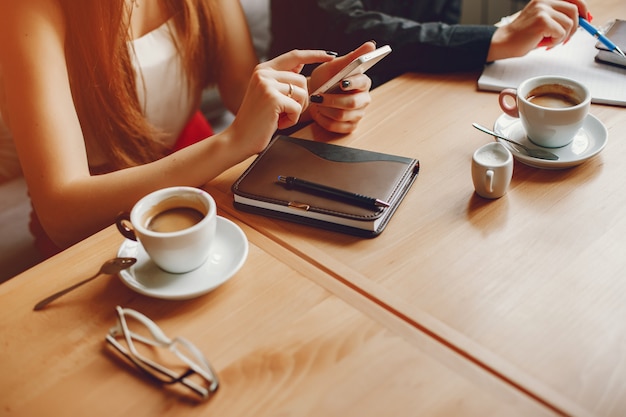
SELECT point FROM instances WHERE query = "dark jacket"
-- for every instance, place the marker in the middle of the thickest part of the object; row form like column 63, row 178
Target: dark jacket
column 424, row 34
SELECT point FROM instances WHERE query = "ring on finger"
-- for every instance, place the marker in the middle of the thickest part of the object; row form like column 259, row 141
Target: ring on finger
column 290, row 93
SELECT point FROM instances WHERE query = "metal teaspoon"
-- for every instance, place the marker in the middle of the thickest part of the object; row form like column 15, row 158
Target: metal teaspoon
column 110, row 267
column 534, row 152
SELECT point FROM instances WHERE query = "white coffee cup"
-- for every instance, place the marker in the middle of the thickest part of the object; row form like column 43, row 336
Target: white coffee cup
column 176, row 227
column 492, row 170
column 551, row 108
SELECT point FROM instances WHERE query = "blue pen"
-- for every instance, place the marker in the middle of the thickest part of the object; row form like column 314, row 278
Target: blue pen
column 600, row 36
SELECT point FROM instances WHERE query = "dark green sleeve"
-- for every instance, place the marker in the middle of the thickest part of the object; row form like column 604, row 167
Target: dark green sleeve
column 418, row 46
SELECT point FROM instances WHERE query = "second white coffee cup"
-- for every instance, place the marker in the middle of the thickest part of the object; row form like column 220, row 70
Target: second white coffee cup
column 176, row 227
column 551, row 108
column 492, row 170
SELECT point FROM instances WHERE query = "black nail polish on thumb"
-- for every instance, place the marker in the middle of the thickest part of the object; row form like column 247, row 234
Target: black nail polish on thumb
column 345, row 84
column 332, row 53
column 316, row 99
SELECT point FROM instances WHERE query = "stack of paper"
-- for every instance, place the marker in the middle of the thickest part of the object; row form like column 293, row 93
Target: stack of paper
column 575, row 59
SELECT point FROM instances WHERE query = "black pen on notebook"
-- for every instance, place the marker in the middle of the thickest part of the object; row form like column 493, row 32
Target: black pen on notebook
column 354, row 198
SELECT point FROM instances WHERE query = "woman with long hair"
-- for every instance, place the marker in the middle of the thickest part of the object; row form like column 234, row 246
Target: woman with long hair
column 101, row 99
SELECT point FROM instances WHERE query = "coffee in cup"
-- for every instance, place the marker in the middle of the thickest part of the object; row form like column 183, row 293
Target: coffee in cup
column 176, row 227
column 555, row 96
column 173, row 219
column 551, row 108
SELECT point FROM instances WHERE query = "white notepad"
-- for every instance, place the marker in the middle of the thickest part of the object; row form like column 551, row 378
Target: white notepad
column 574, row 59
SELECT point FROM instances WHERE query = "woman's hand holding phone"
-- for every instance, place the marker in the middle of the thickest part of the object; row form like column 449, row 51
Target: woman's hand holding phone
column 336, row 107
column 358, row 65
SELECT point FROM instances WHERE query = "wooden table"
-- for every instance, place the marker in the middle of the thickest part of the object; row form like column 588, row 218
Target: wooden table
column 462, row 307
column 281, row 344
column 530, row 287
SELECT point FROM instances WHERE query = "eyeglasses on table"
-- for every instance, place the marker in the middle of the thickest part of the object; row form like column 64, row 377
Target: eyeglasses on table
column 135, row 333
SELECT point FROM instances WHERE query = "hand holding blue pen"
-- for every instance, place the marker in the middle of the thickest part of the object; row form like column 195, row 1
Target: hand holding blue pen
column 600, row 36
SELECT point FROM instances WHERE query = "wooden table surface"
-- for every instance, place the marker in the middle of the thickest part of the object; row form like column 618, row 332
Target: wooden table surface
column 530, row 286
column 463, row 306
column 281, row 343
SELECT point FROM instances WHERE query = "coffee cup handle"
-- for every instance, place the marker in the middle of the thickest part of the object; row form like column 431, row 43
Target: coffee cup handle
column 489, row 179
column 509, row 109
column 125, row 227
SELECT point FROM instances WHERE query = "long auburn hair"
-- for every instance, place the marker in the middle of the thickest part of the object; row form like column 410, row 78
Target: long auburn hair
column 103, row 80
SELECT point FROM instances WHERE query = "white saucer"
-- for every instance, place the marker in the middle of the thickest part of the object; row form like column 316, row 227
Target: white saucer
column 589, row 141
column 228, row 253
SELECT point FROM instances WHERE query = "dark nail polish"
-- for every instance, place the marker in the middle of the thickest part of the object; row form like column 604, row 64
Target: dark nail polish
column 316, row 99
column 373, row 41
column 346, row 84
column 332, row 53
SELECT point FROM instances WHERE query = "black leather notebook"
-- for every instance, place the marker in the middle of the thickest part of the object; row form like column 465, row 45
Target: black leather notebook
column 617, row 34
column 375, row 175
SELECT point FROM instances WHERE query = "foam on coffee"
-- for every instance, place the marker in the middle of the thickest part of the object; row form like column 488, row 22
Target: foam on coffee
column 174, row 219
column 174, row 214
column 491, row 157
column 553, row 96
